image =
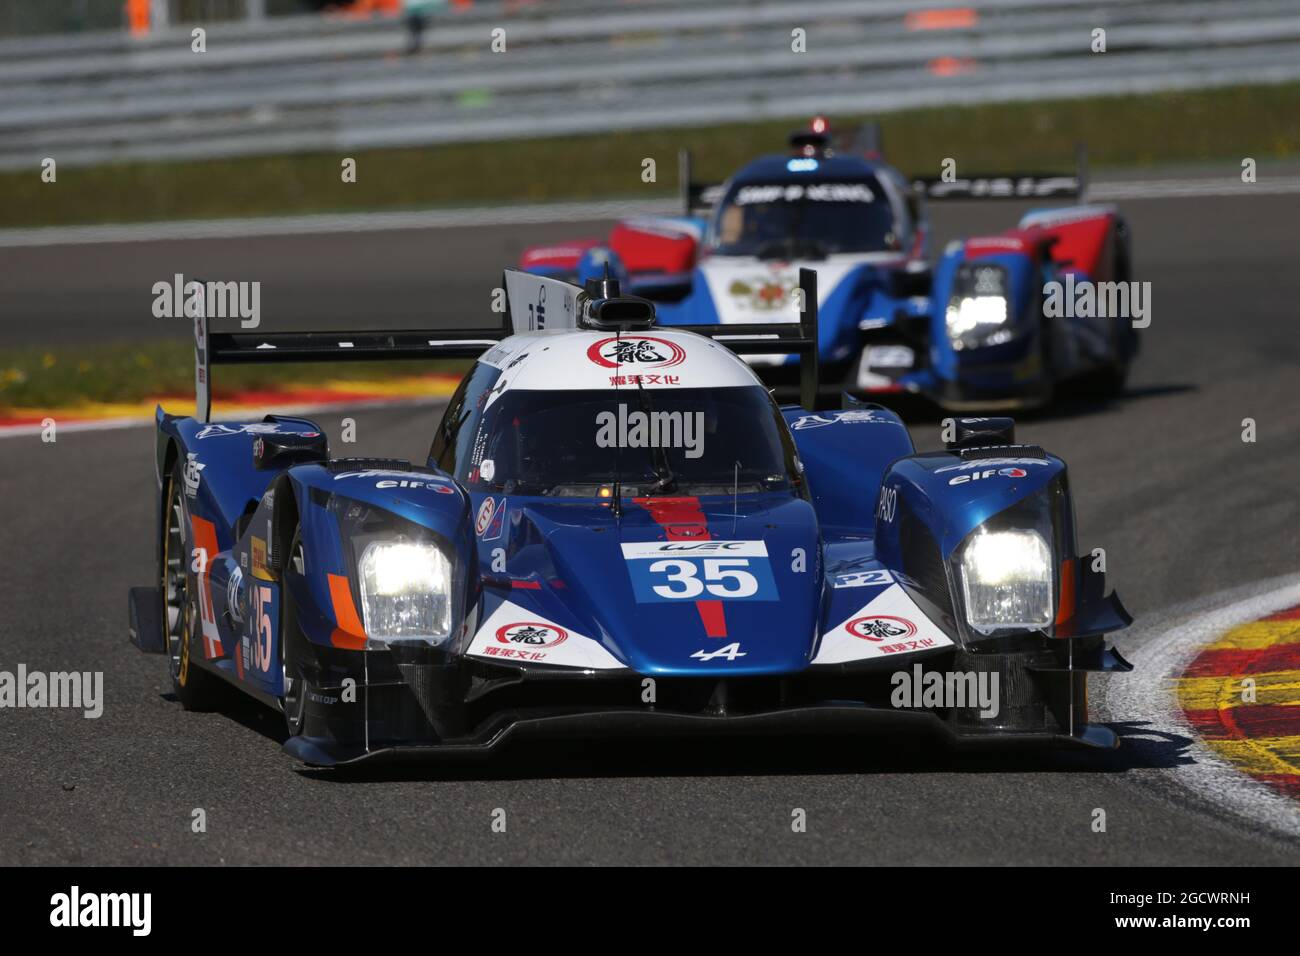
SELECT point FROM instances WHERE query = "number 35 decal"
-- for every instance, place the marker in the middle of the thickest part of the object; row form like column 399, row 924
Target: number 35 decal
column 265, row 629
column 700, row 571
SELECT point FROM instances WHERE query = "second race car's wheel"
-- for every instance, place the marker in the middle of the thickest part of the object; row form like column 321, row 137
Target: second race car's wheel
column 294, row 701
column 194, row 687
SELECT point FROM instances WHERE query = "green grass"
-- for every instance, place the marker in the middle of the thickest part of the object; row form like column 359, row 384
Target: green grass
column 124, row 372
column 1205, row 125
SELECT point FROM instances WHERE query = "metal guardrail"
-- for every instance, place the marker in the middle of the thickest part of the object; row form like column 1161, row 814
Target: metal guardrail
column 311, row 83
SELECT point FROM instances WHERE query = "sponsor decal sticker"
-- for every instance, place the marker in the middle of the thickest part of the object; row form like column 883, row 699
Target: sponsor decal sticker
column 1009, row 472
column 888, row 623
column 644, row 351
column 763, row 293
column 879, row 627
column 260, row 569
column 852, row 417
column 496, row 524
column 253, row 428
column 485, row 513
column 532, row 634
column 862, row 579
column 433, row 484
column 994, row 463
column 520, row 635
column 191, row 474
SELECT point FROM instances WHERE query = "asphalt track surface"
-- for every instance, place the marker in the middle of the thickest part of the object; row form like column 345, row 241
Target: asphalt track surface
column 1162, row 481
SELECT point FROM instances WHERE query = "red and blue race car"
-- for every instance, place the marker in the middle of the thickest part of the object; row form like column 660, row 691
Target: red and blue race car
column 617, row 531
column 975, row 330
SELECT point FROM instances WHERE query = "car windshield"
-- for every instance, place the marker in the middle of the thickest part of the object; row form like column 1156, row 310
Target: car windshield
column 689, row 441
column 804, row 220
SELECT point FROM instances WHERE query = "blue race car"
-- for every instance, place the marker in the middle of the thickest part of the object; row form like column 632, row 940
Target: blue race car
column 970, row 331
column 617, row 532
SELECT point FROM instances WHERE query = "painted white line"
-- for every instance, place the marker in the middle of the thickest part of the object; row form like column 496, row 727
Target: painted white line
column 532, row 214
column 1160, row 651
column 1188, row 188
column 342, row 223
column 243, row 414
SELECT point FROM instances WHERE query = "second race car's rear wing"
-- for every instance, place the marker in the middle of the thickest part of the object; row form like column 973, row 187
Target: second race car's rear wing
column 696, row 197
column 1060, row 185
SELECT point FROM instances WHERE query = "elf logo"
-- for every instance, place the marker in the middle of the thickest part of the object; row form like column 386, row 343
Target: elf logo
column 988, row 473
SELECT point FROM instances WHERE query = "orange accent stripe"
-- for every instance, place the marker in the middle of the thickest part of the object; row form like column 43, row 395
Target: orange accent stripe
column 205, row 539
column 1065, row 607
column 349, row 634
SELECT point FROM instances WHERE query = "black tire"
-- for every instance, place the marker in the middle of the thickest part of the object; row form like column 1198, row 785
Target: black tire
column 194, row 687
column 294, row 701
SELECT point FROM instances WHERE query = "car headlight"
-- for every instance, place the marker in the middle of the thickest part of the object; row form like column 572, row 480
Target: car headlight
column 977, row 313
column 1007, row 581
column 405, row 591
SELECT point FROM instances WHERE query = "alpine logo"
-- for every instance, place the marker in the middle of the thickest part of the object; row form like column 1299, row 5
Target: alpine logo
column 532, row 634
column 878, row 627
column 644, row 351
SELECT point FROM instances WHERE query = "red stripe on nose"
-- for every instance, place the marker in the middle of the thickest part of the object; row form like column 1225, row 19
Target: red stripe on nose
column 683, row 520
column 714, row 618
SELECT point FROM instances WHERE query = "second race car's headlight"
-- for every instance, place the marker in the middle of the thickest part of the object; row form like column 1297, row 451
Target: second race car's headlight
column 977, row 313
column 1006, row 580
column 405, row 591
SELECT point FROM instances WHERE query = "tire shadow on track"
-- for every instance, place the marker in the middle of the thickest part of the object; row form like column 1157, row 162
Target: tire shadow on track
column 1143, row 748
column 775, row 757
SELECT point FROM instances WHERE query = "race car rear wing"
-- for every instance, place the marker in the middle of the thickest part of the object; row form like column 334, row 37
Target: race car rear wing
column 257, row 348
column 1012, row 185
column 532, row 303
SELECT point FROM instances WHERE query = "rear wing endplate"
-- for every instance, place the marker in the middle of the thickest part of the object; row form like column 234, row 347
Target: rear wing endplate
column 257, row 348
column 695, row 197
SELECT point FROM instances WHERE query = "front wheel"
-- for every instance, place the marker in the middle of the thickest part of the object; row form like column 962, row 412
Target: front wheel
column 194, row 687
column 294, row 701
